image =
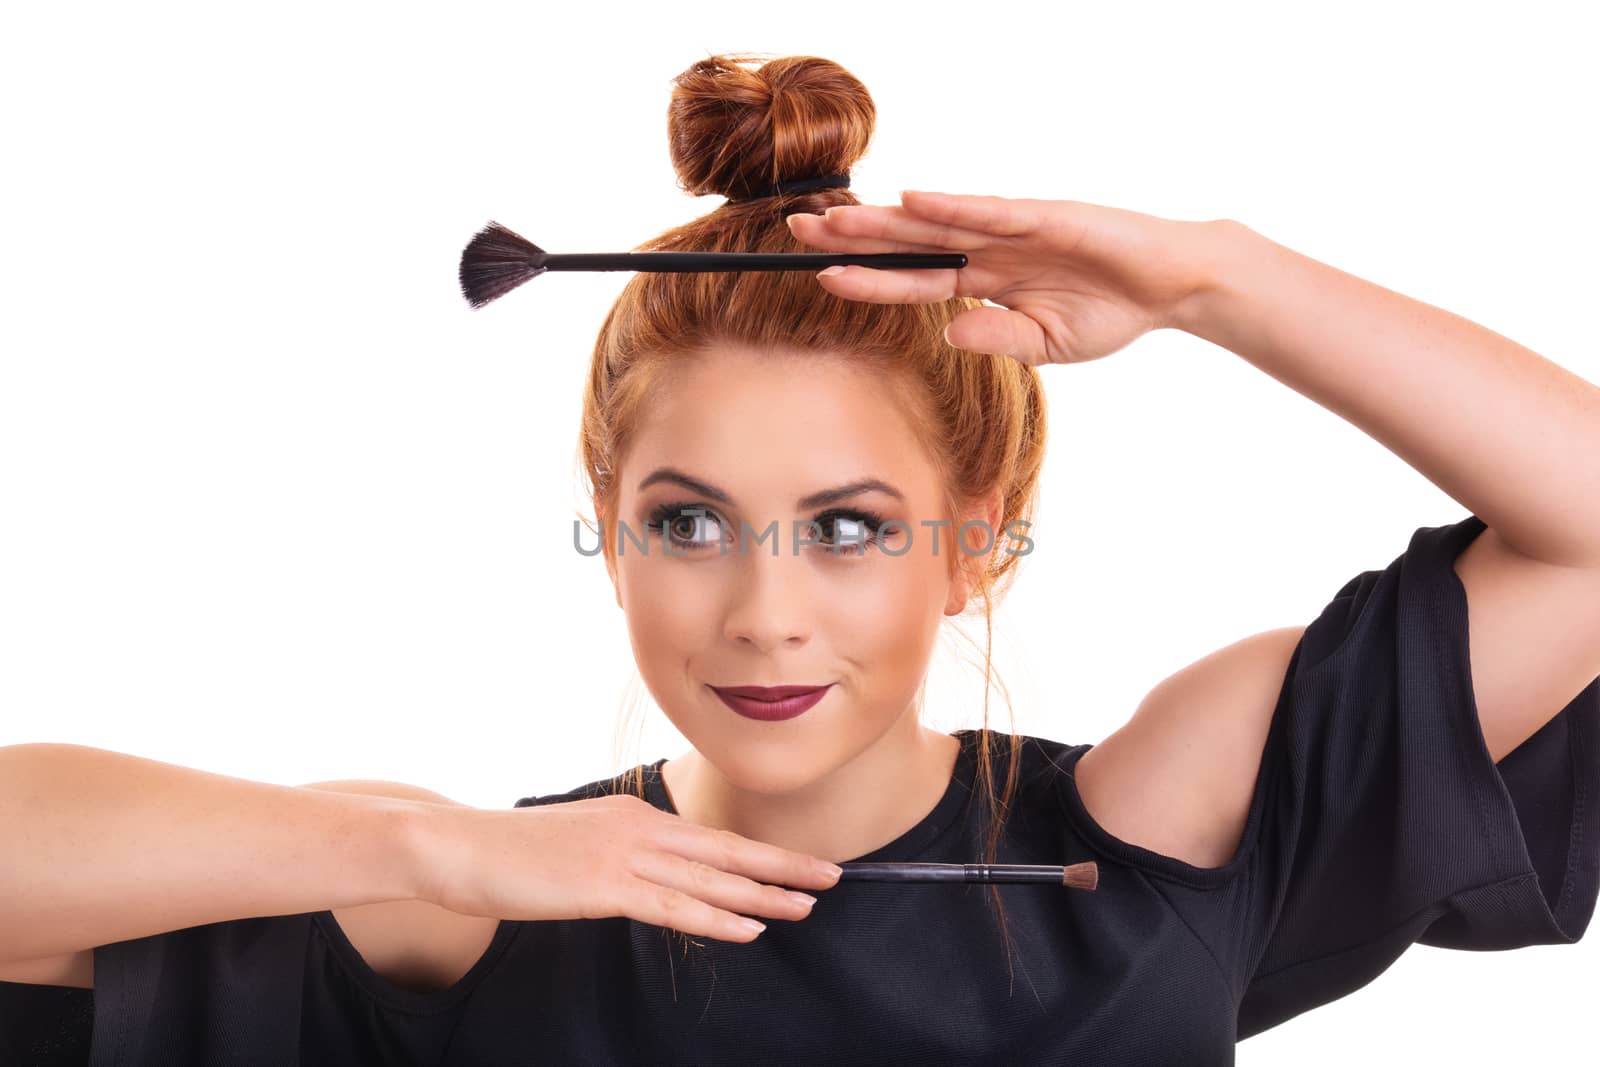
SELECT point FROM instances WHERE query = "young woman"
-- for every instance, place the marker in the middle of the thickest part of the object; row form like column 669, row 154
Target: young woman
column 795, row 480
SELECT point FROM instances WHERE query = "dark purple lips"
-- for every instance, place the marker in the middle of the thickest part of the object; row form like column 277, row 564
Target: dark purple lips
column 771, row 703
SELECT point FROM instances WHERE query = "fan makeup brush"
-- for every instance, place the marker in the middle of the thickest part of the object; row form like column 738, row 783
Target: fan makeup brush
column 497, row 260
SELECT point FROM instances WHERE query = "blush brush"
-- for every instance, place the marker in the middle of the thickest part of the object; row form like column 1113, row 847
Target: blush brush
column 498, row 260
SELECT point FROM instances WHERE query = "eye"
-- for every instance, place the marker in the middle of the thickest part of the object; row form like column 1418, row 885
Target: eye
column 852, row 531
column 687, row 526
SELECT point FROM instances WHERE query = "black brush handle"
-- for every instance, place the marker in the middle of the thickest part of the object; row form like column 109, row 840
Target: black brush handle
column 950, row 872
column 692, row 261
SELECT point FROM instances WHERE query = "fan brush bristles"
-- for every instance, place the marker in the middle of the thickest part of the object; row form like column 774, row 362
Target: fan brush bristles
column 495, row 262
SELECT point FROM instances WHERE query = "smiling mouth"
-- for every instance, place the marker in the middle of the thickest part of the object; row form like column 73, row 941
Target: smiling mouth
column 767, row 692
column 771, row 703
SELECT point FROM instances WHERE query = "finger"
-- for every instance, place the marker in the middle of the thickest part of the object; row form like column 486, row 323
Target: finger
column 728, row 851
column 822, row 232
column 1001, row 332
column 870, row 228
column 719, row 888
column 663, row 905
column 994, row 215
column 891, row 286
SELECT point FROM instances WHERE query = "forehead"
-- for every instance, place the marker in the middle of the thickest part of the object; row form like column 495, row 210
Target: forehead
column 795, row 417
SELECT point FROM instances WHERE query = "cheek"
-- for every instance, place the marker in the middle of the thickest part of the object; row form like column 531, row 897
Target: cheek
column 887, row 620
column 668, row 612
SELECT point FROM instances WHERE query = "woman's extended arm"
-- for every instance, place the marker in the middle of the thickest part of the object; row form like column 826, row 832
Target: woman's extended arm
column 100, row 846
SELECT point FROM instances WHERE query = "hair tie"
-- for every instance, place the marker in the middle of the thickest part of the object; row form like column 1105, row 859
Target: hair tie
column 799, row 185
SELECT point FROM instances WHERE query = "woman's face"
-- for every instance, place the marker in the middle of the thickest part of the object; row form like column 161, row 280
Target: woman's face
column 769, row 431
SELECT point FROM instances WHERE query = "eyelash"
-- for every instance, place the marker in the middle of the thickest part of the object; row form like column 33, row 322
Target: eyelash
column 663, row 516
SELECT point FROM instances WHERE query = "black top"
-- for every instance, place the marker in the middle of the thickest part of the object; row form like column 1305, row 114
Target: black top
column 1378, row 820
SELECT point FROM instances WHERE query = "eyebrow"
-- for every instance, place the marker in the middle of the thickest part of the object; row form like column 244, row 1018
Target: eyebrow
column 814, row 500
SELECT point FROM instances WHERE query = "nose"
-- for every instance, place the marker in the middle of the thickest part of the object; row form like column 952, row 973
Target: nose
column 770, row 601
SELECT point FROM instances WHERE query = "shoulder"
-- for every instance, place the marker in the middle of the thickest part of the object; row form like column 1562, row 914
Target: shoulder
column 1179, row 777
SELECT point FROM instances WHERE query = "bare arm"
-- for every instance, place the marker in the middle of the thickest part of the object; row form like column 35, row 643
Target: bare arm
column 99, row 846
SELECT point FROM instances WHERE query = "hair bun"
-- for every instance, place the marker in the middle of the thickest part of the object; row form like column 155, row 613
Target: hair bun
column 736, row 131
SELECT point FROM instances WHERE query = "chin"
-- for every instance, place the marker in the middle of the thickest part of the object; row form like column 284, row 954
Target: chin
column 770, row 768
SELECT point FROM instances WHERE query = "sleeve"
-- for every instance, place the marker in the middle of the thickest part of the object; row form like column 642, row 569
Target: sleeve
column 1383, row 822
column 227, row 992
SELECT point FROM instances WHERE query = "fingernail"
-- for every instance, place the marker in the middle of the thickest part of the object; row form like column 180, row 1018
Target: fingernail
column 750, row 926
column 803, row 899
column 831, row 271
column 830, row 870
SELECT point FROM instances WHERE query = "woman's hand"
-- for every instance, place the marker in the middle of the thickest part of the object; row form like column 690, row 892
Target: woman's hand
column 1077, row 281
column 611, row 856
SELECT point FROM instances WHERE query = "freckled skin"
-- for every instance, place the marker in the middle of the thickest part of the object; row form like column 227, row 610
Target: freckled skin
column 857, row 769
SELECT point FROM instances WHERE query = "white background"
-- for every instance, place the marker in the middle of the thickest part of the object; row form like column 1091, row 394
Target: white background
column 279, row 505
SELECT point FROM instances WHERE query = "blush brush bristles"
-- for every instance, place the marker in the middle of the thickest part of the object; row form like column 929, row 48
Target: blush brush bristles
column 497, row 260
